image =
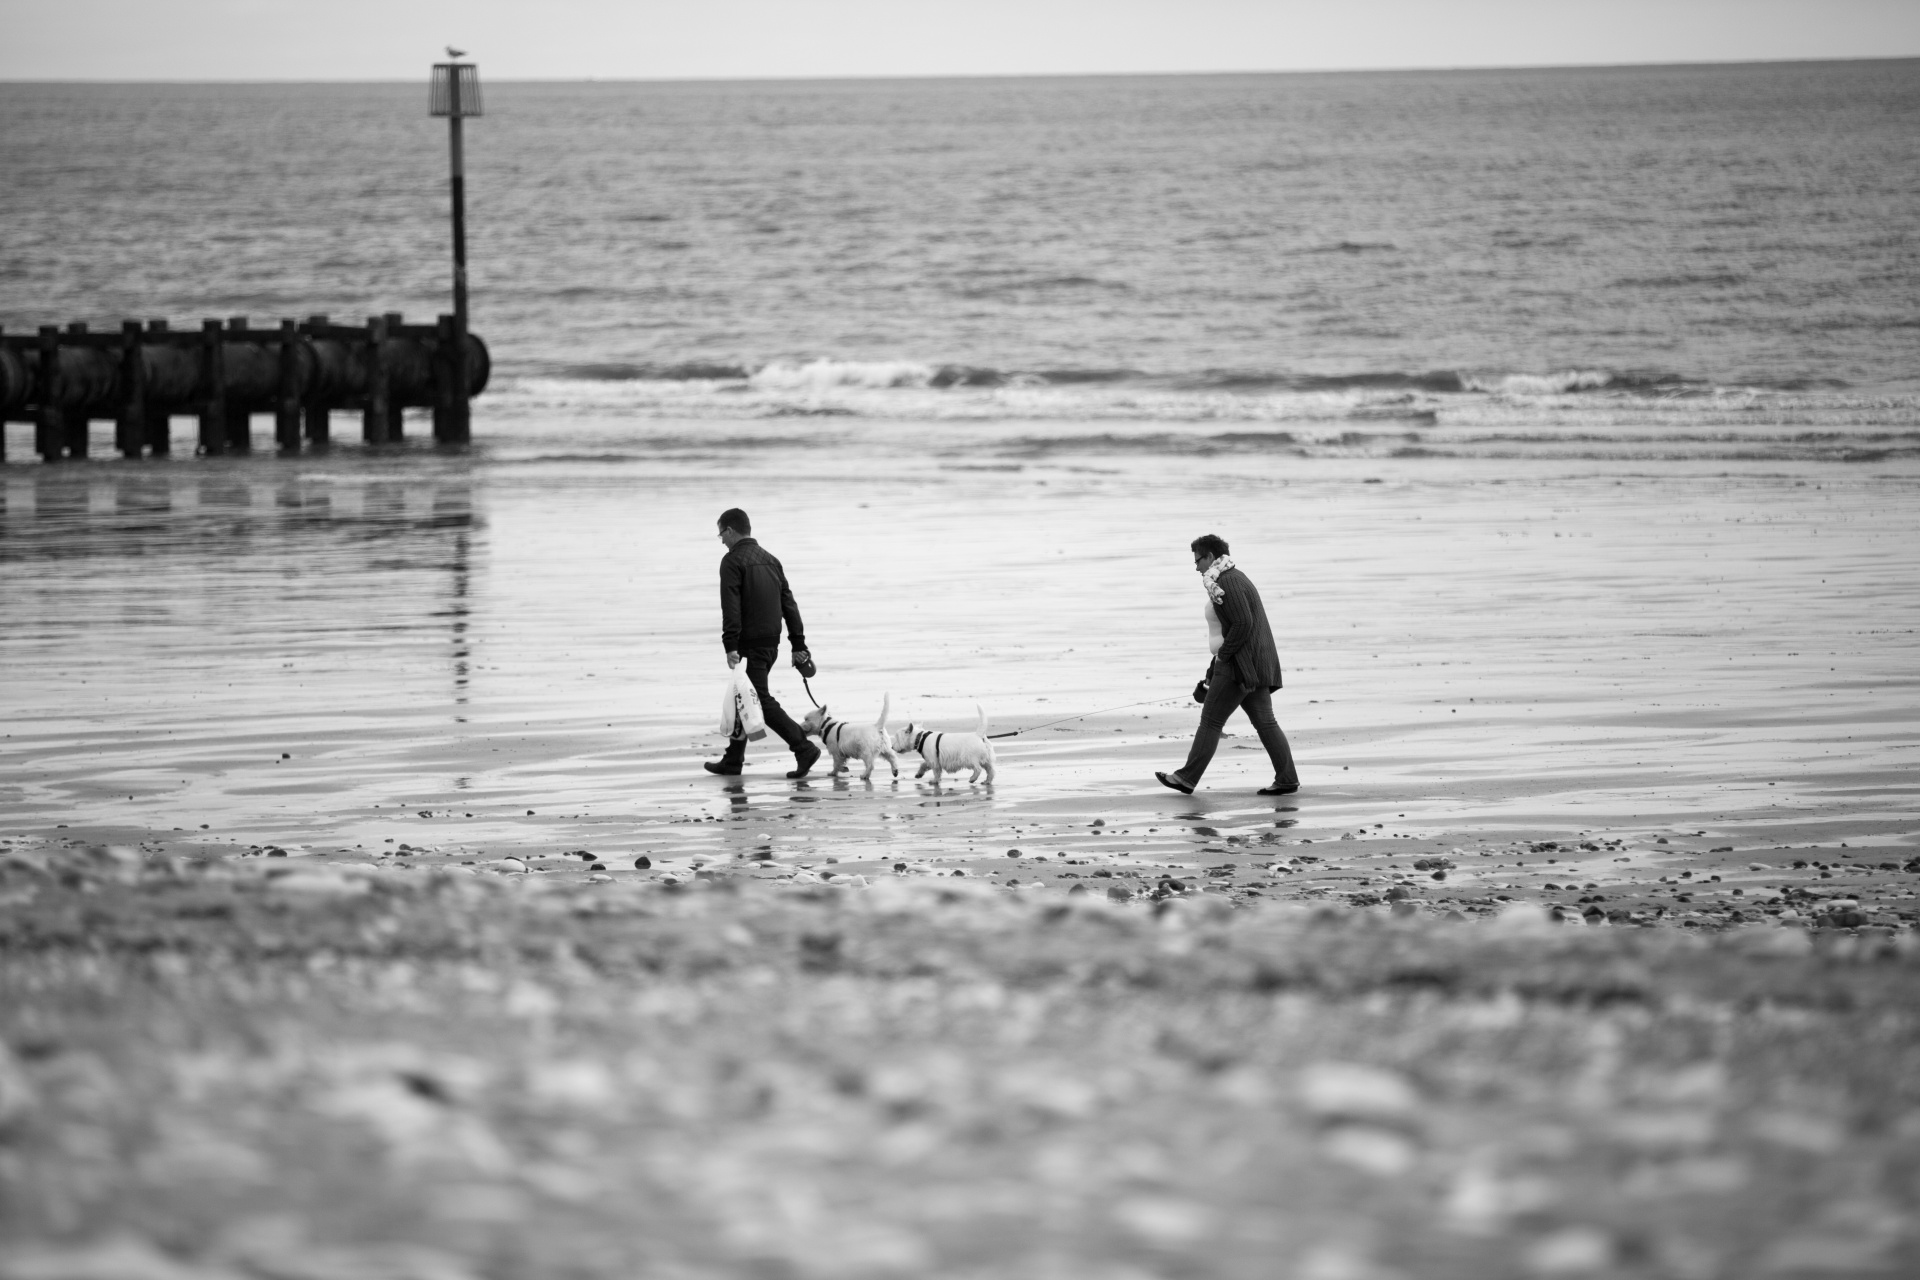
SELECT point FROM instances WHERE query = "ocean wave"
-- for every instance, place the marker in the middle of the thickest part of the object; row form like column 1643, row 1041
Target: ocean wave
column 1682, row 280
column 1355, row 246
column 826, row 374
column 1575, row 380
column 823, row 375
column 620, row 371
column 1542, row 412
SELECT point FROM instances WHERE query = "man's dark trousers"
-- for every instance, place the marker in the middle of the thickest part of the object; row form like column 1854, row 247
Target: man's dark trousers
column 759, row 663
column 1224, row 694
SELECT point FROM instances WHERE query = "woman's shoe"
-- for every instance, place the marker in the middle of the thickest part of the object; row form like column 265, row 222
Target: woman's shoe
column 1175, row 781
column 1279, row 788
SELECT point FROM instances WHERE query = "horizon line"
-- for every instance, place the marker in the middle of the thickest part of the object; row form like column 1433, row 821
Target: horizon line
column 989, row 75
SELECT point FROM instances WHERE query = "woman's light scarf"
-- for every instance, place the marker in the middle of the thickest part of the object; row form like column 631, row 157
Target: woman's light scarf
column 1211, row 578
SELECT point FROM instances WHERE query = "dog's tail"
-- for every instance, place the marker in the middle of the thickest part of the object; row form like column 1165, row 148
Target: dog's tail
column 981, row 726
column 886, row 703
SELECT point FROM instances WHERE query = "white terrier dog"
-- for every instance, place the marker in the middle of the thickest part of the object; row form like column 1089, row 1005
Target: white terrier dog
column 940, row 752
column 853, row 741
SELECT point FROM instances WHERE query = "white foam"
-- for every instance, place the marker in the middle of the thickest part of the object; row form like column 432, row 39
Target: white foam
column 1540, row 384
column 822, row 375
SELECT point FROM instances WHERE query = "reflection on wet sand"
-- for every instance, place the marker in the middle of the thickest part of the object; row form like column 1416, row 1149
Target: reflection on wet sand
column 192, row 620
column 469, row 655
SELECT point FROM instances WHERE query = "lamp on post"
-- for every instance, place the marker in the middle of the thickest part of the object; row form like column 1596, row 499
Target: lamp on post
column 456, row 95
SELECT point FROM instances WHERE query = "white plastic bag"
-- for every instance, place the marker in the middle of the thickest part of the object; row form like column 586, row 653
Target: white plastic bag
column 740, row 715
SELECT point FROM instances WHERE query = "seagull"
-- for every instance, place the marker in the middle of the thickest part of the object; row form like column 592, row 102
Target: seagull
column 455, row 53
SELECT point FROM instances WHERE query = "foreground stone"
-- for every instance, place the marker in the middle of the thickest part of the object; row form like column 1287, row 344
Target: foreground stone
column 301, row 1073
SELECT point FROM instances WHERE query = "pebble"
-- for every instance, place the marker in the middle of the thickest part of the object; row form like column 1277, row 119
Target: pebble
column 319, row 884
column 509, row 864
column 1571, row 1251
column 118, row 1258
column 1381, row 1152
column 1799, row 1131
column 642, row 862
column 1354, row 1091
column 600, row 879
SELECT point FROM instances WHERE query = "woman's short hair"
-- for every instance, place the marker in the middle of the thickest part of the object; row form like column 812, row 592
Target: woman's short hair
column 735, row 519
column 1211, row 544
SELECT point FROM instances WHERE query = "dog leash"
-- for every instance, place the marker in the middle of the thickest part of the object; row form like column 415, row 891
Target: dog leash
column 1035, row 728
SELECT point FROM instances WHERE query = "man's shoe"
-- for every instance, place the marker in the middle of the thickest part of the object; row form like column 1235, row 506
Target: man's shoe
column 725, row 768
column 1175, row 781
column 803, row 760
column 1279, row 788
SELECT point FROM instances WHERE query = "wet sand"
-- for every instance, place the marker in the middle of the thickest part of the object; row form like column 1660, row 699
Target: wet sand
column 364, row 910
column 1703, row 672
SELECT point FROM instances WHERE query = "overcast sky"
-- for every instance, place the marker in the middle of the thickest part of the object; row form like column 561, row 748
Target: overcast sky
column 676, row 39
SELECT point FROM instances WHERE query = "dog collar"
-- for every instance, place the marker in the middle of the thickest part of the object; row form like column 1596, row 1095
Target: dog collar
column 920, row 740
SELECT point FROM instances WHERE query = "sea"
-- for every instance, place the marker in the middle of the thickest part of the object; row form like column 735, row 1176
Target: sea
column 1717, row 259
column 1596, row 390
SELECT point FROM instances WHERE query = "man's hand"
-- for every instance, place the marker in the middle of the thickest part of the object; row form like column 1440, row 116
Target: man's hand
column 803, row 663
column 733, row 659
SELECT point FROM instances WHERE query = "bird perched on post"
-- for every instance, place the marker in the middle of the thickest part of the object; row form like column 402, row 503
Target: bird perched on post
column 455, row 53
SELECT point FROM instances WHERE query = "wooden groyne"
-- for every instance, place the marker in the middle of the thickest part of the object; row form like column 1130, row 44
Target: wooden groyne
column 63, row 379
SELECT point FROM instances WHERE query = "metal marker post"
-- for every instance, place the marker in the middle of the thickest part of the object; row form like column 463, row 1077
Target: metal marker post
column 456, row 95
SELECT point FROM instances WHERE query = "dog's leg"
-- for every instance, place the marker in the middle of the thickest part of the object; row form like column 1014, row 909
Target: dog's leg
column 892, row 759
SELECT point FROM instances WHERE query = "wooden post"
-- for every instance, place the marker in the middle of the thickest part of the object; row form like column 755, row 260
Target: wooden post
column 318, row 426
column 443, row 370
column 374, row 418
column 130, row 428
column 159, row 421
column 213, row 409
column 239, row 421
column 458, row 429
column 286, row 417
column 48, row 428
column 396, row 413
column 74, row 420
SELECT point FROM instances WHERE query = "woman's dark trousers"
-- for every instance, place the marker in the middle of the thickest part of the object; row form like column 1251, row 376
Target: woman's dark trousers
column 759, row 663
column 1224, row 694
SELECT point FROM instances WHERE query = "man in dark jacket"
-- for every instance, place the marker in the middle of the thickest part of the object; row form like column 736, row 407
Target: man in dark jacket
column 754, row 600
column 1244, row 674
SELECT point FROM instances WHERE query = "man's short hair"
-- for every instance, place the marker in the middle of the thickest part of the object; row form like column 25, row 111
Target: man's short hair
column 1211, row 544
column 735, row 519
